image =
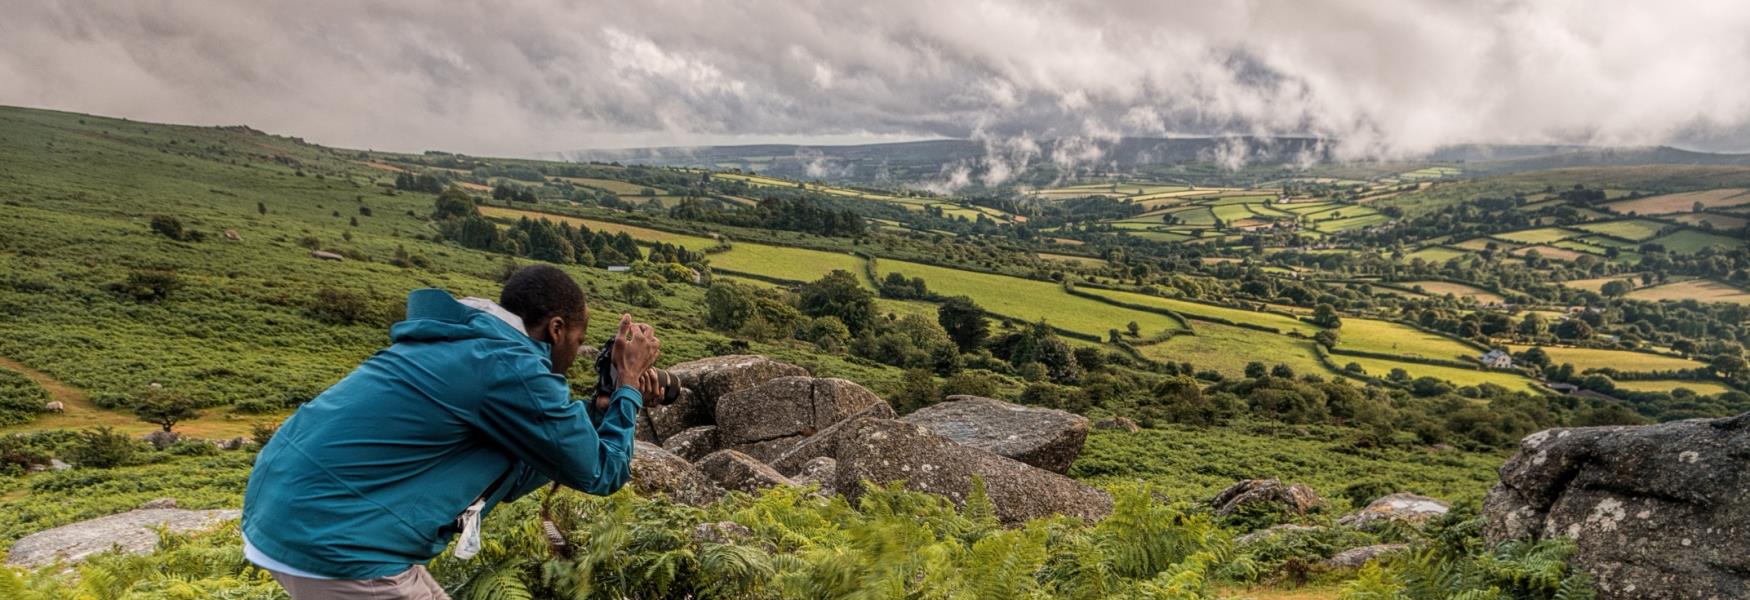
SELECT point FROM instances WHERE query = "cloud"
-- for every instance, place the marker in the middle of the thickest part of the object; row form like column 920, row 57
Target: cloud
column 517, row 78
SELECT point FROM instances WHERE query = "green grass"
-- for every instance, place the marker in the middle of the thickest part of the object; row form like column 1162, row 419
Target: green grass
column 1705, row 388
column 1690, row 241
column 1442, row 288
column 1457, row 376
column 1701, row 290
column 1283, row 323
column 644, row 234
column 784, row 262
column 1436, row 254
column 1030, row 300
column 1227, row 349
column 1386, row 337
column 1195, row 464
column 1720, row 222
column 1621, row 360
column 1628, row 229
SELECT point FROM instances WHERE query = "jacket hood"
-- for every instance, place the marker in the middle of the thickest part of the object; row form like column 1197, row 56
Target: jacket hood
column 433, row 315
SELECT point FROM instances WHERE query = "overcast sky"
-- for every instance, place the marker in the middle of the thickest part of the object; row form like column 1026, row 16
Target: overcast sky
column 520, row 77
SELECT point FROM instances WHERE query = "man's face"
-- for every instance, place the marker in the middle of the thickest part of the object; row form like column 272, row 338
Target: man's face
column 566, row 335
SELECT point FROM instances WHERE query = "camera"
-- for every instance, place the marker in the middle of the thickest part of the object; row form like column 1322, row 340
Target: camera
column 604, row 378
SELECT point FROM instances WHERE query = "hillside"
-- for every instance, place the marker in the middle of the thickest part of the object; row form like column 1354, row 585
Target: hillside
column 134, row 254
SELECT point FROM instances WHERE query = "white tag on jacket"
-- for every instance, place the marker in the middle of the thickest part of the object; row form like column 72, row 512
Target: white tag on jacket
column 469, row 545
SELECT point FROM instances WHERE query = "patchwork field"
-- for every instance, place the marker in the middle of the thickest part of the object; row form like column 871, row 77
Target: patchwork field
column 1597, row 284
column 1549, row 252
column 1690, row 241
column 1628, row 229
column 1676, row 203
column 1621, row 360
column 1536, row 236
column 1283, row 323
column 1442, row 288
column 1031, row 300
column 1700, row 290
column 1436, row 254
column 1718, row 221
column 783, row 262
column 1086, row 260
column 1385, row 337
column 1227, row 349
column 644, row 234
column 1461, row 377
column 1704, row 388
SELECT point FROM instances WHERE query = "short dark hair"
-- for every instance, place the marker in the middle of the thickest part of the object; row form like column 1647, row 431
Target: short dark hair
column 539, row 292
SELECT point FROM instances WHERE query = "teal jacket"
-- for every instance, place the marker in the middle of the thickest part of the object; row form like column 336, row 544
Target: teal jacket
column 369, row 477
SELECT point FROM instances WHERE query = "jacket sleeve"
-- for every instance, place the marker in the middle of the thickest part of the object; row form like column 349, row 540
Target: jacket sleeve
column 534, row 418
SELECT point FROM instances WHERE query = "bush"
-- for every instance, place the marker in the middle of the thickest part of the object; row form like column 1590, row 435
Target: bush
column 20, row 398
column 969, row 383
column 339, row 307
column 148, row 285
column 192, row 448
column 171, row 227
column 262, row 433
column 103, row 448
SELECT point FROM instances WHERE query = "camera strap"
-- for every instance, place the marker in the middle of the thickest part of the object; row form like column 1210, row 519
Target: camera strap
column 555, row 540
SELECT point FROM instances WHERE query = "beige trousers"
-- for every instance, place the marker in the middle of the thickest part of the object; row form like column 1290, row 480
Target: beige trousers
column 412, row 584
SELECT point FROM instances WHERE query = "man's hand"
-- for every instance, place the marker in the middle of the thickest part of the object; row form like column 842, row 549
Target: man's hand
column 635, row 351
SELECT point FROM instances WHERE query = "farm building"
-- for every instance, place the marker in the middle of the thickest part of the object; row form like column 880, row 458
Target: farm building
column 1497, row 359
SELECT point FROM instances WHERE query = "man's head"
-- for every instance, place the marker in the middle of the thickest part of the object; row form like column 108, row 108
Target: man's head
column 552, row 307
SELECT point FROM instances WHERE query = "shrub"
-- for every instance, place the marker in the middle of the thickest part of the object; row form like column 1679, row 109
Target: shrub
column 339, row 307
column 262, row 433
column 192, row 448
column 103, row 448
column 148, row 285
column 20, row 398
column 970, row 384
column 171, row 227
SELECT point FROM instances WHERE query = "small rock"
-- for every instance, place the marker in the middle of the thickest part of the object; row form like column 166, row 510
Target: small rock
column 740, row 472
column 1270, row 532
column 162, row 439
column 721, row 532
column 1401, row 507
column 159, row 503
column 1117, row 424
column 1045, row 438
column 819, row 471
column 1355, row 558
column 231, row 234
column 1297, row 499
column 657, row 471
column 318, row 254
column 56, row 464
column 694, row 443
column 132, row 532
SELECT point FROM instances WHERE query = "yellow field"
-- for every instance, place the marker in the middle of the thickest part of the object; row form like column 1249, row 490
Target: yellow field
column 1598, row 283
column 1701, row 290
column 617, row 187
column 1460, row 377
column 1086, row 260
column 783, row 262
column 644, row 234
column 1031, row 300
column 1442, row 288
column 1549, row 252
column 1705, row 388
column 1386, row 337
column 1283, row 323
column 1621, row 360
column 1679, row 203
column 1226, row 349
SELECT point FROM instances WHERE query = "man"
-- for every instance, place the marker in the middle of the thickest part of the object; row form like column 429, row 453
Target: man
column 466, row 409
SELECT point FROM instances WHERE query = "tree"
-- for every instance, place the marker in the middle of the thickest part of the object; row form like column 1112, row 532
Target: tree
column 1574, row 329
column 453, row 202
column 1532, row 326
column 1728, row 365
column 164, row 409
column 1327, row 338
column 964, row 321
column 839, row 294
column 1134, row 328
column 261, row 207
column 1282, row 371
column 1616, row 288
column 1256, row 370
column 1325, row 315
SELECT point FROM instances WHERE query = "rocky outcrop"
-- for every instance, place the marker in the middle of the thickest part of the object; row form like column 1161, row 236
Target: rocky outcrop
column 1295, row 499
column 1042, row 437
column 740, row 472
column 132, row 532
column 881, row 451
column 704, row 381
column 657, row 471
column 765, row 420
column 1123, row 424
column 1400, row 507
column 1272, row 532
column 694, row 443
column 823, row 443
column 1657, row 512
column 1355, row 558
